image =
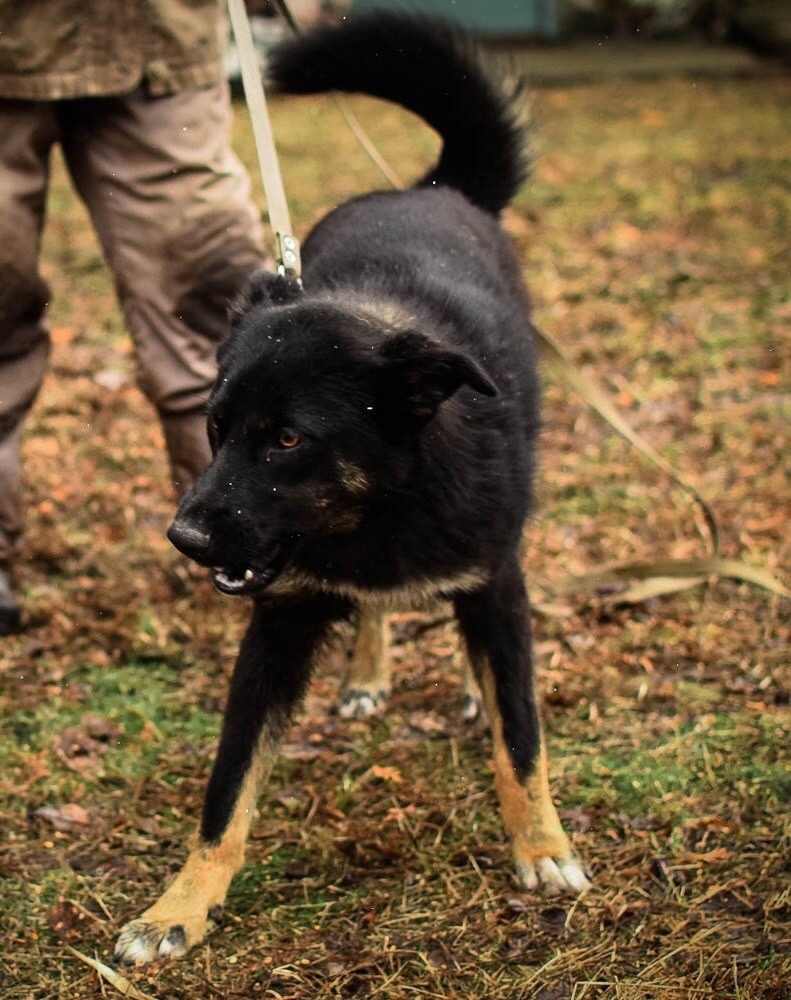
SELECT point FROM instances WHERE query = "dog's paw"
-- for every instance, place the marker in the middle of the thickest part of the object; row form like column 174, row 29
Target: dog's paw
column 471, row 708
column 553, row 876
column 362, row 703
column 147, row 939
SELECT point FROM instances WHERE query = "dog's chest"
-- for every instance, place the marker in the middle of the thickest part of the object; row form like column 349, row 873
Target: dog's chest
column 416, row 595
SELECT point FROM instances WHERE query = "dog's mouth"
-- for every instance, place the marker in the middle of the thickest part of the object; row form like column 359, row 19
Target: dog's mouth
column 236, row 583
column 239, row 580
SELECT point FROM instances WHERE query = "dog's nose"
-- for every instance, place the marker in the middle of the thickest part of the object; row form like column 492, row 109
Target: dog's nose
column 189, row 539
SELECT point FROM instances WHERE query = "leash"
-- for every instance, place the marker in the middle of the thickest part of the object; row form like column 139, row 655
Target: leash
column 287, row 256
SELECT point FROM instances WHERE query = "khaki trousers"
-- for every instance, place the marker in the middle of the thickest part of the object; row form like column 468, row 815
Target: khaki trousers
column 171, row 207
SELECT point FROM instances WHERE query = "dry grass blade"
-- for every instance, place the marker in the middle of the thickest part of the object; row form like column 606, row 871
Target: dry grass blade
column 657, row 586
column 362, row 137
column 684, row 573
column 350, row 117
column 114, row 978
column 597, row 398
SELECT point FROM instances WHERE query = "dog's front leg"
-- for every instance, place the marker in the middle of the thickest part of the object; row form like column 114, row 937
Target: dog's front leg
column 495, row 622
column 269, row 678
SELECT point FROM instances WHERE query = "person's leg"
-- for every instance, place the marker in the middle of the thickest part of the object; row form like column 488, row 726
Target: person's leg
column 27, row 132
column 172, row 208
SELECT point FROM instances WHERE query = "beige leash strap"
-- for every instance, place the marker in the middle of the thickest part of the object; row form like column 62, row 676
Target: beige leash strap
column 287, row 259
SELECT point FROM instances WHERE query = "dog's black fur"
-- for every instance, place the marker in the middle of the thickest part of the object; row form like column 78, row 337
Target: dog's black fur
column 439, row 412
column 374, row 433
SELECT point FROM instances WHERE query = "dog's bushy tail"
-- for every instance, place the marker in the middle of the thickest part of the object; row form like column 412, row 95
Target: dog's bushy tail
column 432, row 70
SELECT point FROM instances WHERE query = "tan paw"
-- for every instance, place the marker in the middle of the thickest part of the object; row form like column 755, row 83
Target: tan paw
column 148, row 939
column 362, row 703
column 553, row 875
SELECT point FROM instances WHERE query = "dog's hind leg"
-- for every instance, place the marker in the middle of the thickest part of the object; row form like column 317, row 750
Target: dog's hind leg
column 367, row 682
column 269, row 678
column 495, row 623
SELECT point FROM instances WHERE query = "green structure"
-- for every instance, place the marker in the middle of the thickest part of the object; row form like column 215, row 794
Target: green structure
column 495, row 18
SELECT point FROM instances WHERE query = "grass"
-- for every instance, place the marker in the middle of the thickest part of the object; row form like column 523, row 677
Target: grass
column 654, row 234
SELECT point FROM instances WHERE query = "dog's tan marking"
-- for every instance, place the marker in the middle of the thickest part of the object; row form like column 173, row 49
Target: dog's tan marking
column 386, row 312
column 352, row 478
column 338, row 516
column 192, row 905
column 368, row 679
column 541, row 850
column 418, row 595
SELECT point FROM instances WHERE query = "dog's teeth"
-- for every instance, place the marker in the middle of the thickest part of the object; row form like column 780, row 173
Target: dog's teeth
column 248, row 574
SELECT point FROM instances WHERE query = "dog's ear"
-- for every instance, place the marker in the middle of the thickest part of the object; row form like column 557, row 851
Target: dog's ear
column 265, row 289
column 419, row 375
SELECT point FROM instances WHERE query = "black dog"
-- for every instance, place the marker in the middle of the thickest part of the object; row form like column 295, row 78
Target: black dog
column 373, row 441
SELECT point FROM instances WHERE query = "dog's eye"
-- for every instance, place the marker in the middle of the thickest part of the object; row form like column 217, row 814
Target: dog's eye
column 288, row 439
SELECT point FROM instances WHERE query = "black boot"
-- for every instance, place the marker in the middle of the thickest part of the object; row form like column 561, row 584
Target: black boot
column 10, row 617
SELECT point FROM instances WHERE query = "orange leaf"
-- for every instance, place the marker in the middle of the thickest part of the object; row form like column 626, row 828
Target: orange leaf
column 62, row 334
column 48, row 446
column 627, row 235
column 652, row 116
column 387, row 774
column 624, row 398
column 712, row 856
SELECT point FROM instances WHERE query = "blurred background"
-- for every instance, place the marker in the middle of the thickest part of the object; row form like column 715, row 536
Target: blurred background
column 762, row 26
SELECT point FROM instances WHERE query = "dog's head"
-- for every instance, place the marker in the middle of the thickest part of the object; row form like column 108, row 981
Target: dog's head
column 314, row 420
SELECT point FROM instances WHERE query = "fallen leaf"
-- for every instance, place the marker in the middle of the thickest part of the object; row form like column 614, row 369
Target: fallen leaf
column 387, row 774
column 710, row 857
column 99, row 728
column 427, row 722
column 111, row 379
column 62, row 334
column 81, row 747
column 66, row 919
column 653, row 117
column 68, row 818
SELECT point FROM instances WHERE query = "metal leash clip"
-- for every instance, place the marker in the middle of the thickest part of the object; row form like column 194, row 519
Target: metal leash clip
column 287, row 258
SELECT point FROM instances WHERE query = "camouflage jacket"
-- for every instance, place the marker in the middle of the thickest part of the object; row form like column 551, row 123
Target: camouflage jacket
column 53, row 49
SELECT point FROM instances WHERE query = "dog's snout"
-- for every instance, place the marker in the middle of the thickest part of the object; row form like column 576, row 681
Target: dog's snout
column 189, row 539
